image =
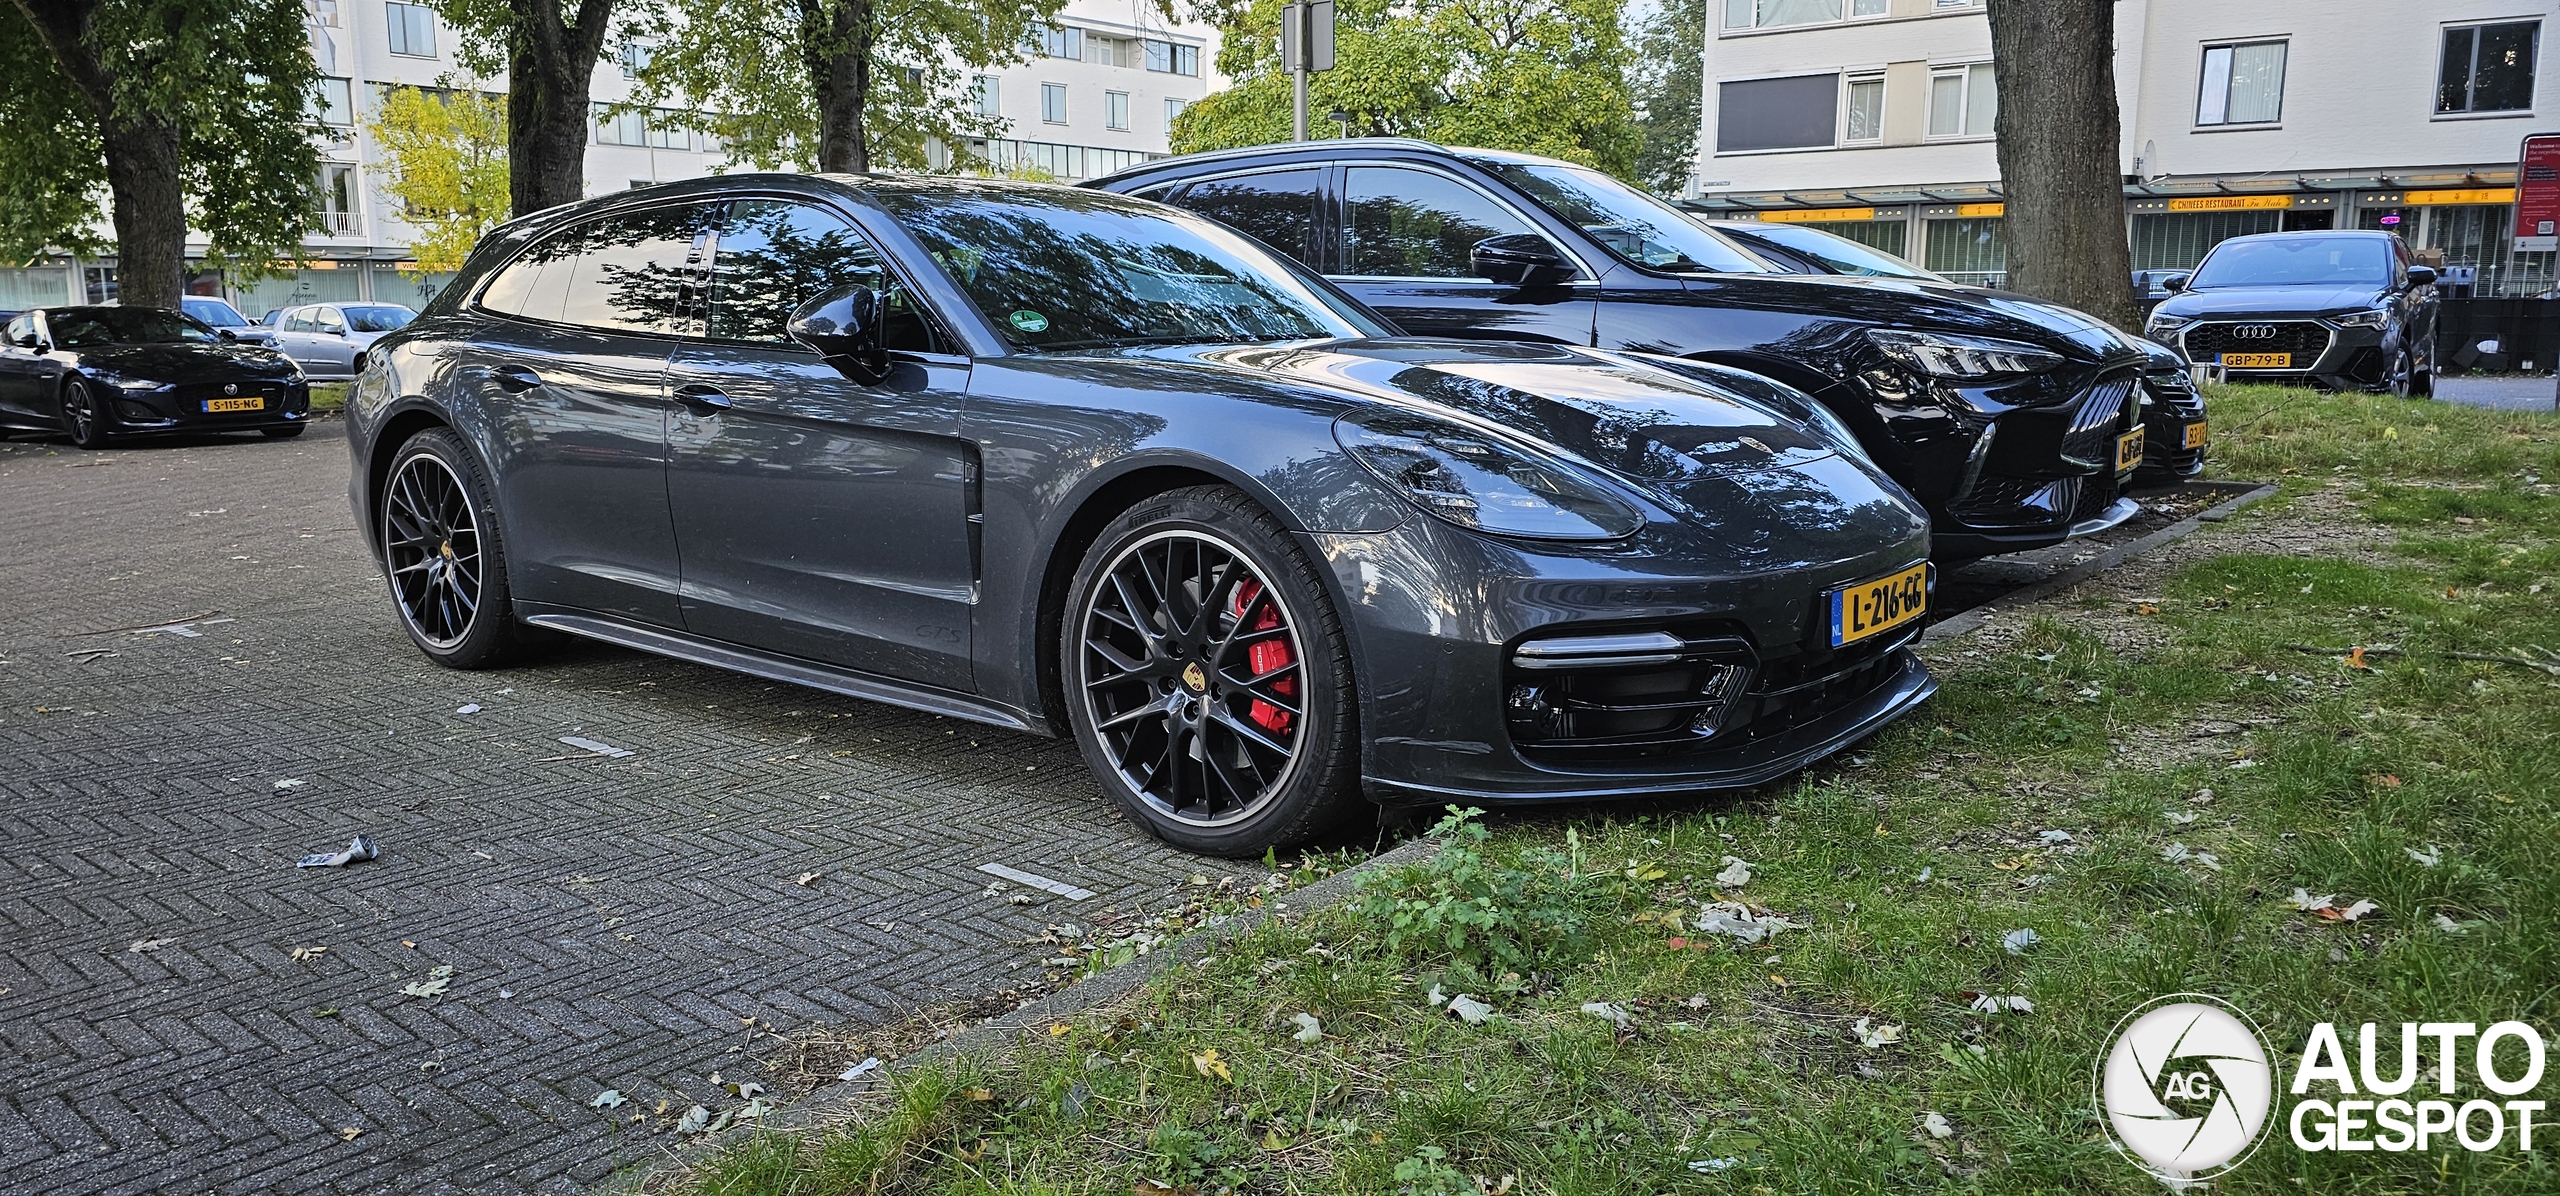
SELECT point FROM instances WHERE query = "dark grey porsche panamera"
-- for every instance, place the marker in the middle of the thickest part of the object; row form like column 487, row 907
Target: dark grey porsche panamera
column 1072, row 462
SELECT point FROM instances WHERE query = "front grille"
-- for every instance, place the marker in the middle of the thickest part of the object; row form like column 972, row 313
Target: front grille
column 2175, row 404
column 1717, row 694
column 2097, row 493
column 1792, row 693
column 2002, row 499
column 2305, row 339
column 2108, row 411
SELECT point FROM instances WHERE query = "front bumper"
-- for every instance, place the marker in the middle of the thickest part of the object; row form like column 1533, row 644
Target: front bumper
column 181, row 408
column 2323, row 353
column 2173, row 420
column 2036, row 476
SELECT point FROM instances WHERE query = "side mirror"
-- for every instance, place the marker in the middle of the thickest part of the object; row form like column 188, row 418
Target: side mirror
column 2175, row 283
column 2420, row 276
column 843, row 325
column 1520, row 260
column 227, row 335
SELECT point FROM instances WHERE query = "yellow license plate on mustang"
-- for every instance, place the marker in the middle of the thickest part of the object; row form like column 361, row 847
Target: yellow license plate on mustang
column 244, row 403
column 2257, row 361
column 2195, row 434
column 1874, row 607
column 2129, row 450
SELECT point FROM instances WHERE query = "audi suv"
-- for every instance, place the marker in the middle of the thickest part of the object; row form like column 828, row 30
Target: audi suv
column 2345, row 310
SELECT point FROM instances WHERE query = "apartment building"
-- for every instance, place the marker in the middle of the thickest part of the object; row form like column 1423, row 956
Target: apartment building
column 1099, row 93
column 1873, row 119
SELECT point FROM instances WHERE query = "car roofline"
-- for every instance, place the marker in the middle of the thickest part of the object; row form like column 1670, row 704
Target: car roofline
column 1328, row 148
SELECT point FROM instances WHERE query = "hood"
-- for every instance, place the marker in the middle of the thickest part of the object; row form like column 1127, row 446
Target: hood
column 2271, row 301
column 1928, row 305
column 187, row 362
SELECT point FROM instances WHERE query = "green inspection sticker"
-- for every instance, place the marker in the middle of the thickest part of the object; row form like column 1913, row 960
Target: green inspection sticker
column 1030, row 321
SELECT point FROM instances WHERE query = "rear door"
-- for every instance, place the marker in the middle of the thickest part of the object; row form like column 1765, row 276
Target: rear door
column 820, row 516
column 332, row 355
column 293, row 336
column 1406, row 236
column 18, row 362
column 1280, row 208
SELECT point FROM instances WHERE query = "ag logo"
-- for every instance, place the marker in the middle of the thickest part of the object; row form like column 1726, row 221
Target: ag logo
column 2186, row 1085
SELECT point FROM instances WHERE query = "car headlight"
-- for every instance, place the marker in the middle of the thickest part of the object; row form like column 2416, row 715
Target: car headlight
column 133, row 386
column 2361, row 319
column 1483, row 482
column 2162, row 321
column 1945, row 355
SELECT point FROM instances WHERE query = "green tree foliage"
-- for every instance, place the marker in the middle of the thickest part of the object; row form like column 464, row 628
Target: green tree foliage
column 834, row 84
column 1669, row 78
column 1541, row 76
column 444, row 157
column 549, row 52
column 172, row 113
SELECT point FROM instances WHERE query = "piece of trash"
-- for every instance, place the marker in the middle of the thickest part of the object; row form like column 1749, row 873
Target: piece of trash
column 1736, row 919
column 1042, row 883
column 858, row 1070
column 433, row 987
column 2054, row 836
column 307, row 954
column 473, row 708
column 1310, row 1029
column 806, row 879
column 506, row 994
column 1993, row 1003
column 610, row 1098
column 2237, row 764
column 1469, row 1010
column 2429, row 858
column 2017, row 942
column 1071, row 1105
column 1736, row 874
column 1872, row 1036
column 1936, row 1124
column 141, row 945
column 2304, row 901
column 1614, row 1013
column 2449, row 926
column 350, row 1133
column 359, row 848
column 1706, row 1166
column 2353, row 913
column 289, row 783
column 598, row 747
column 2180, row 817
column 695, row 1120
column 2203, row 797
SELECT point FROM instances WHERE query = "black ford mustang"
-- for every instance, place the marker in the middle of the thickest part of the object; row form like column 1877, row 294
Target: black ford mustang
column 102, row 372
column 1066, row 461
column 2015, row 422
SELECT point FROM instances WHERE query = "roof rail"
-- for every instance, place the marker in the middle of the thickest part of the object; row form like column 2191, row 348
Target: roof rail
column 1244, row 150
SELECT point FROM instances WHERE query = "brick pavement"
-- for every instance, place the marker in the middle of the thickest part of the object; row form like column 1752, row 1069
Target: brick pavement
column 636, row 909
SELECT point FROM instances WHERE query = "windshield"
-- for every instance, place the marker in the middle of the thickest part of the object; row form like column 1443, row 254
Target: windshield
column 2294, row 262
column 215, row 312
column 87, row 327
column 1064, row 270
column 378, row 317
column 1841, row 254
column 1631, row 224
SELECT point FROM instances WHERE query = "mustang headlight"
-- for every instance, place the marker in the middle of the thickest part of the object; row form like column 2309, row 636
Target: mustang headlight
column 2361, row 319
column 1484, row 482
column 1946, row 355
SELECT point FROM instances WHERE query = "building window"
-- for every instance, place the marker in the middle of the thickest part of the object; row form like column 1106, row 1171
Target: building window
column 1971, row 250
column 1963, row 101
column 1055, row 41
column 1864, row 113
column 1957, row 4
column 1115, row 110
column 2243, row 85
column 986, row 97
column 634, row 57
column 1869, row 8
column 1769, row 14
column 1053, row 103
column 338, row 212
column 650, row 130
column 1172, row 109
column 324, row 12
column 1797, row 112
column 1172, row 58
column 2488, row 68
column 413, row 29
column 1100, row 50
column 336, row 107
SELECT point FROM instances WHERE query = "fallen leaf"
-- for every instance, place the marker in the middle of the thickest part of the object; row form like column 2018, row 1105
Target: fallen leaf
column 2354, row 659
column 427, row 988
column 350, row 1134
column 2387, row 781
column 2051, row 836
column 1207, row 1063
column 1310, row 1029
column 805, row 879
column 1736, row 919
column 982, row 1094
column 610, row 1098
column 1615, row 1014
column 1469, row 1010
column 1736, row 874
column 1057, row 1029
column 141, row 945
column 306, row 954
column 2429, row 858
column 288, row 784
column 2017, row 941
column 695, row 1120
column 858, row 1070
column 2304, row 901
column 325, row 1011
column 1872, row 1036
column 1936, row 1124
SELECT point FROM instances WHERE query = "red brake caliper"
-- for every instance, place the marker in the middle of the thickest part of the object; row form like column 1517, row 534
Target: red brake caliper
column 1262, row 657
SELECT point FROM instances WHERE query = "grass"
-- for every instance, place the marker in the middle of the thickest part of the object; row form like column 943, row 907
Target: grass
column 329, row 396
column 2185, row 719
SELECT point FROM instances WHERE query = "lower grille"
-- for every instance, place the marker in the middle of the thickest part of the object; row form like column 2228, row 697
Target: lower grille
column 2000, row 499
column 1716, row 695
column 2305, row 339
column 1813, row 685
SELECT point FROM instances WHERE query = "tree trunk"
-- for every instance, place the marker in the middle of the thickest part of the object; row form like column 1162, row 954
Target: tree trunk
column 550, row 66
column 2059, row 168
column 835, row 40
column 149, row 210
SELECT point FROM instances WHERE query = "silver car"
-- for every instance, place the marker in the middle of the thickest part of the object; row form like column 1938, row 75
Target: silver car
column 328, row 340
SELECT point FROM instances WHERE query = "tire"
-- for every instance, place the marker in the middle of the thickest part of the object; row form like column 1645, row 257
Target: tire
column 444, row 557
column 283, row 433
column 81, row 416
column 1227, row 726
column 2401, row 381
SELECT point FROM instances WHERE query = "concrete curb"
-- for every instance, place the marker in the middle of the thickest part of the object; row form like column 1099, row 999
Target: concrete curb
column 832, row 1102
column 1970, row 621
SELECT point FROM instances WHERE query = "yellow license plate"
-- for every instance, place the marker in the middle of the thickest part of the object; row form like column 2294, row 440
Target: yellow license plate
column 248, row 403
column 2257, row 361
column 1874, row 607
column 2195, row 434
column 2129, row 449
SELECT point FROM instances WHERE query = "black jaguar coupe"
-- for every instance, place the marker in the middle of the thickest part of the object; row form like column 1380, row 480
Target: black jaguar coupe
column 1078, row 463
column 102, row 373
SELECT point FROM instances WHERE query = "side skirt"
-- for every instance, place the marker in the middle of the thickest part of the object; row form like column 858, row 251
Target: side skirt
column 788, row 669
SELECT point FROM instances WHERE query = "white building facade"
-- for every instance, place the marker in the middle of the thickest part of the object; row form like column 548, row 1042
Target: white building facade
column 1873, row 118
column 1102, row 100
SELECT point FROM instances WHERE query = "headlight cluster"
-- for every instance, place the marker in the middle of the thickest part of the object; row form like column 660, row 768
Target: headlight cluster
column 2361, row 319
column 1484, row 482
column 2162, row 322
column 133, row 386
column 1945, row 355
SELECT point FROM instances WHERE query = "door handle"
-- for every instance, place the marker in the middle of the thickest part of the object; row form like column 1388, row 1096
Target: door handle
column 703, row 398
column 515, row 379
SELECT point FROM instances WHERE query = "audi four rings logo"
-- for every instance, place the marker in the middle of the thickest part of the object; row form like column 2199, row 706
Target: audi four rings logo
column 2254, row 332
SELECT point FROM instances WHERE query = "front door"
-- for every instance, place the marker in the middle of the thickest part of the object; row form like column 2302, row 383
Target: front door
column 1407, row 234
column 818, row 516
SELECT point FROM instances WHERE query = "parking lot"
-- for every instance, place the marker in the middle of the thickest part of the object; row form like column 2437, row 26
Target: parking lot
column 609, row 921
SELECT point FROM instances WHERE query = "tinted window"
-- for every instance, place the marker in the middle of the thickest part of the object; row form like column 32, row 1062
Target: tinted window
column 775, row 256
column 1629, row 223
column 1057, row 269
column 379, row 317
column 214, row 312
column 1278, row 209
column 2295, row 261
column 1837, row 255
column 626, row 273
column 82, row 327
column 1411, row 223
column 329, row 320
column 1762, row 114
column 20, row 329
column 299, row 321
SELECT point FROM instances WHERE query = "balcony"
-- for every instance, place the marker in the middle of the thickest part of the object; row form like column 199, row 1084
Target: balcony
column 338, row 224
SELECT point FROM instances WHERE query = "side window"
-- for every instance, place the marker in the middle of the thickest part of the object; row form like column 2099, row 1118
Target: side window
column 298, row 320
column 629, row 273
column 329, row 320
column 775, row 255
column 1411, row 223
column 20, row 330
column 1278, row 209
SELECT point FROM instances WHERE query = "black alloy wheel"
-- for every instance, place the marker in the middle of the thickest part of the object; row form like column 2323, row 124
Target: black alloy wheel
column 443, row 557
column 80, row 415
column 2400, row 381
column 1207, row 677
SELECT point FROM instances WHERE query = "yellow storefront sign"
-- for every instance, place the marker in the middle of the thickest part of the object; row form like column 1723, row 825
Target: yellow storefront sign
column 2471, row 195
column 1819, row 215
column 1982, row 209
column 2229, row 203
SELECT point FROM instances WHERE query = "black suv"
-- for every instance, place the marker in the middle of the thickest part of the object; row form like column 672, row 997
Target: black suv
column 2346, row 310
column 2016, row 423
